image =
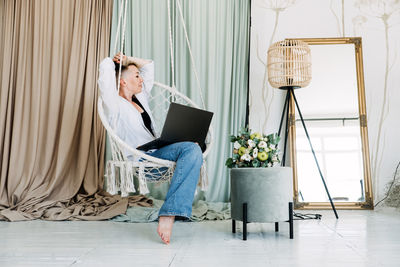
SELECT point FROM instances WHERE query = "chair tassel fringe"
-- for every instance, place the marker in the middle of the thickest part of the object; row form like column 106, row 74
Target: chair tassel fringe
column 110, row 178
column 203, row 182
column 142, row 181
column 127, row 184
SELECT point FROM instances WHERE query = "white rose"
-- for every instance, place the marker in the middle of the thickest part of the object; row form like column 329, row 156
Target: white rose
column 255, row 151
column 236, row 145
column 262, row 144
column 272, row 146
column 269, row 164
column 251, row 143
column 246, row 157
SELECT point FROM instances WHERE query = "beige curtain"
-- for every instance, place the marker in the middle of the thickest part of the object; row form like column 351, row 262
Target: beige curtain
column 51, row 140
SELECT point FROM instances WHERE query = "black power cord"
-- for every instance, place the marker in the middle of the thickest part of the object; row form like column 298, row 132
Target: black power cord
column 309, row 216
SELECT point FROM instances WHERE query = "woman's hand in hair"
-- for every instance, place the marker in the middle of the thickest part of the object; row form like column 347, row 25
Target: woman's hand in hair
column 138, row 62
column 117, row 57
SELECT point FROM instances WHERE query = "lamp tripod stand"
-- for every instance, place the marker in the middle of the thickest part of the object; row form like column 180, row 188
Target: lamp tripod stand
column 289, row 95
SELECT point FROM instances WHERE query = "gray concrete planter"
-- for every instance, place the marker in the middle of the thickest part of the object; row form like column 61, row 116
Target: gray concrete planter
column 267, row 192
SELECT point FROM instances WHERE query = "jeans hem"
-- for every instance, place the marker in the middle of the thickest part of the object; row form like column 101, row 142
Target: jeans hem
column 174, row 214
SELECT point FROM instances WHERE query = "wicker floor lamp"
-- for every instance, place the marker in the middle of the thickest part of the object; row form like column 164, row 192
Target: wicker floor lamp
column 289, row 68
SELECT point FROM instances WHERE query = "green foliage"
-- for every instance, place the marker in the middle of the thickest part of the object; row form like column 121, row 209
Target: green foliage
column 256, row 163
column 230, row 163
column 274, row 138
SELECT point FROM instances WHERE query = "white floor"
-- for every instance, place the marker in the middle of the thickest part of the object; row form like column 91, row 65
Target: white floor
column 358, row 238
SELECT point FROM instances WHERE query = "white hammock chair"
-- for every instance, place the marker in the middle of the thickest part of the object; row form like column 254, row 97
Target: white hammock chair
column 120, row 172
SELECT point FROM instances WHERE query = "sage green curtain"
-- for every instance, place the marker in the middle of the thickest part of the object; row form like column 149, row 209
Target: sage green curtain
column 219, row 37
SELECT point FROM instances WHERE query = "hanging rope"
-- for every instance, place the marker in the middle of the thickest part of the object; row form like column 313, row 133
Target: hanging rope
column 190, row 52
column 122, row 10
column 171, row 48
column 118, row 27
column 122, row 42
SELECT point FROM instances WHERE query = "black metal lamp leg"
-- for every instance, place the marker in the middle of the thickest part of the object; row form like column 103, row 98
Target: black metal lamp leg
column 283, row 163
column 291, row 220
column 289, row 95
column 284, row 112
column 276, row 227
column 233, row 226
column 315, row 157
column 244, row 221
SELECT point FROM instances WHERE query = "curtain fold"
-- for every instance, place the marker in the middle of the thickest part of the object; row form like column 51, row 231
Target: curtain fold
column 219, row 36
column 52, row 142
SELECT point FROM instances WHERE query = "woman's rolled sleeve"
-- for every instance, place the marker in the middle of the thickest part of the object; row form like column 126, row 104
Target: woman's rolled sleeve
column 147, row 73
column 107, row 86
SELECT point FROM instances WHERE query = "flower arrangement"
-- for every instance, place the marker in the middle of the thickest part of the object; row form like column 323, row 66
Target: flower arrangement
column 253, row 150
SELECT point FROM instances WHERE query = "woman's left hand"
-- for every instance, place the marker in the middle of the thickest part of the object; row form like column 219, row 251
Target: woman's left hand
column 117, row 57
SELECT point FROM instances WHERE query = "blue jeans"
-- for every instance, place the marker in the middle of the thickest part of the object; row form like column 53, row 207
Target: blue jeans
column 188, row 158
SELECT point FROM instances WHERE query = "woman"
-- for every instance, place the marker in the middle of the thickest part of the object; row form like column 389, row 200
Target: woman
column 129, row 113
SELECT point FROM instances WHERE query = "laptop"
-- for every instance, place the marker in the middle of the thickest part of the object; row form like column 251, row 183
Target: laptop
column 183, row 123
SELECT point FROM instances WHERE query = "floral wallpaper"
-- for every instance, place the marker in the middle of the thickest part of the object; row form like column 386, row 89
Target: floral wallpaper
column 378, row 23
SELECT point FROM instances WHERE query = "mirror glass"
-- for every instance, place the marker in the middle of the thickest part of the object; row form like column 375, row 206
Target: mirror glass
column 330, row 109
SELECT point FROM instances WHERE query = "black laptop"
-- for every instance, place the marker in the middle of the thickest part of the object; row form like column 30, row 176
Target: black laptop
column 183, row 123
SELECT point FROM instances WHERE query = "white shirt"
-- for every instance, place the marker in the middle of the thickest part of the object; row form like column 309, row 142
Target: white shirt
column 123, row 117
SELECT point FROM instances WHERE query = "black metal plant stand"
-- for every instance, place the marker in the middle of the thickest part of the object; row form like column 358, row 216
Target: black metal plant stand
column 289, row 95
column 245, row 222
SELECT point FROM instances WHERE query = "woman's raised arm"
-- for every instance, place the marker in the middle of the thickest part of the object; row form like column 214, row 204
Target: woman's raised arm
column 108, row 87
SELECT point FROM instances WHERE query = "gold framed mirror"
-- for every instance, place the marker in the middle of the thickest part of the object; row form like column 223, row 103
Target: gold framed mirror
column 334, row 111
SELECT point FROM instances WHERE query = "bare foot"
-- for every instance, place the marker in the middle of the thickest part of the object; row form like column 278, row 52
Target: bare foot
column 164, row 229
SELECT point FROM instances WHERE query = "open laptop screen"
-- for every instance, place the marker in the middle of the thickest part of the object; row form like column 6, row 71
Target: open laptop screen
column 183, row 123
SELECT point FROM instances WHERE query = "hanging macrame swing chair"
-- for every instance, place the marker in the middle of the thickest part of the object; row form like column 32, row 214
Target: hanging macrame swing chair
column 120, row 172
